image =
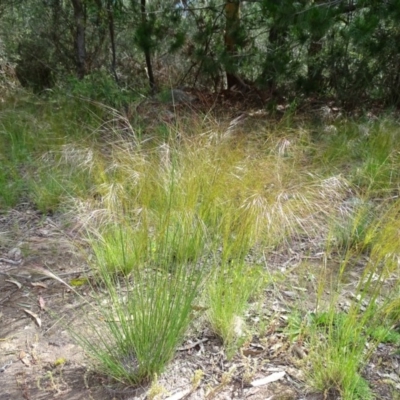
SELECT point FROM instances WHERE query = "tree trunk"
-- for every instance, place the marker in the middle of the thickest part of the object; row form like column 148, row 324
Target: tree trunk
column 232, row 18
column 112, row 39
column 80, row 45
column 146, row 50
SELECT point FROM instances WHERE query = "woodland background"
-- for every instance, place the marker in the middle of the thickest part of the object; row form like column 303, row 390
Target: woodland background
column 348, row 51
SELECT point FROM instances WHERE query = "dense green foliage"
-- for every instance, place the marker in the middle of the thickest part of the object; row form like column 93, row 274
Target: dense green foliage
column 348, row 50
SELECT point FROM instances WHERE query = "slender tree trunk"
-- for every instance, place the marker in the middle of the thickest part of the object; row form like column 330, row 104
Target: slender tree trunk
column 80, row 45
column 101, row 25
column 112, row 39
column 146, row 50
column 232, row 25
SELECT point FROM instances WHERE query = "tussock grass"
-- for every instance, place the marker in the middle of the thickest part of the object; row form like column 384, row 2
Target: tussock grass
column 34, row 136
column 342, row 343
column 198, row 201
column 143, row 319
column 228, row 293
column 174, row 213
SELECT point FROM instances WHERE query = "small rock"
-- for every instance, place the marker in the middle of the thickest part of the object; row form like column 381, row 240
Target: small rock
column 298, row 352
column 15, row 254
column 43, row 232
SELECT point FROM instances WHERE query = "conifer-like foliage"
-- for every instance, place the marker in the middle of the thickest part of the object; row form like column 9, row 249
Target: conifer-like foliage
column 343, row 49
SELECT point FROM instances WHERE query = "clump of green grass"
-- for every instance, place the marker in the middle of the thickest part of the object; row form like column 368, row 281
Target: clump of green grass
column 119, row 248
column 338, row 341
column 350, row 231
column 385, row 334
column 337, row 356
column 147, row 244
column 340, row 346
column 59, row 176
column 366, row 152
column 123, row 245
column 146, row 248
column 35, row 147
column 12, row 186
column 228, row 292
column 142, row 319
column 165, row 209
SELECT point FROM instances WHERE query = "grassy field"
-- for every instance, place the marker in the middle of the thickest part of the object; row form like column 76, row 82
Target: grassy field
column 181, row 217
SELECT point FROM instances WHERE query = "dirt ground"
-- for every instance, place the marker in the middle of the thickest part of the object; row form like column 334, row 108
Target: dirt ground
column 39, row 359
